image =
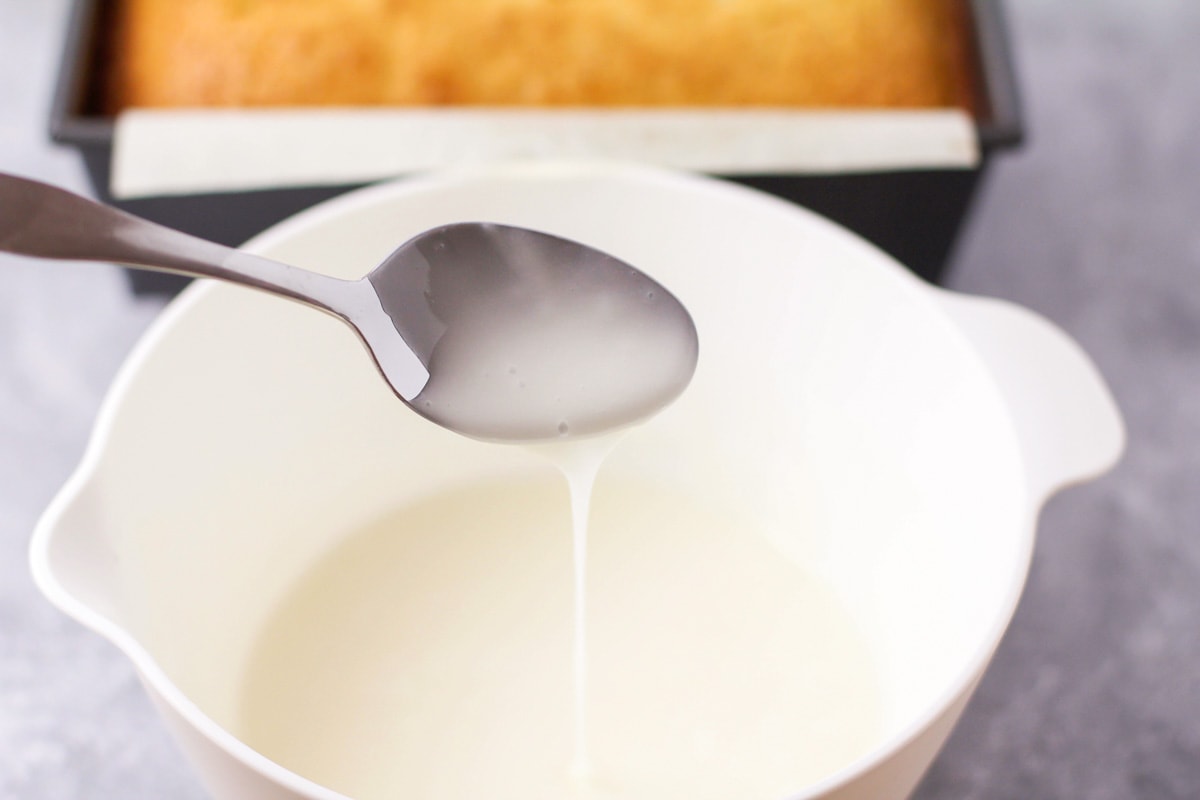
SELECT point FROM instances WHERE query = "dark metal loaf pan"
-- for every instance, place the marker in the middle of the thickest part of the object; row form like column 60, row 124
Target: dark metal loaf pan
column 913, row 214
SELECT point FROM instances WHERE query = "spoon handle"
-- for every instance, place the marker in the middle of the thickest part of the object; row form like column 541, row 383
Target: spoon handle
column 40, row 220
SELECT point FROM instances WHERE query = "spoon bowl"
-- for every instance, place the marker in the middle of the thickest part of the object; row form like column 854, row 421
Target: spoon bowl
column 495, row 332
column 529, row 336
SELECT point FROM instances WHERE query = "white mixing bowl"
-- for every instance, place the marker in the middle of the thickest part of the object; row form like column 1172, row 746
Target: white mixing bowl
column 900, row 437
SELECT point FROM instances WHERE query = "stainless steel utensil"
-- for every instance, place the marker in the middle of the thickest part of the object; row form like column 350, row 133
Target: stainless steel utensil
column 493, row 331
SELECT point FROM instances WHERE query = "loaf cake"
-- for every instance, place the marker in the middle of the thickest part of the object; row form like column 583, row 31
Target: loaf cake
column 631, row 53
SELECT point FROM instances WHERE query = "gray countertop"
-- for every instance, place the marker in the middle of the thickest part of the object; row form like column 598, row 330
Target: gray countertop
column 1095, row 691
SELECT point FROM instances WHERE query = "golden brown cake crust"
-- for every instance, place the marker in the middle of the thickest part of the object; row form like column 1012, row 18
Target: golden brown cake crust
column 660, row 53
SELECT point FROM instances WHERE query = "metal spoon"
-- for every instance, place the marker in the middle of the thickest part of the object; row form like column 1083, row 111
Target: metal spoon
column 495, row 332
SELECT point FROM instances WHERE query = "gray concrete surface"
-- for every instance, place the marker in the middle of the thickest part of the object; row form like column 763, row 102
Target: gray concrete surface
column 1095, row 692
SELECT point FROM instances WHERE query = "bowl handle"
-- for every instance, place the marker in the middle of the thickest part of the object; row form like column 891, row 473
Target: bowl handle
column 1067, row 421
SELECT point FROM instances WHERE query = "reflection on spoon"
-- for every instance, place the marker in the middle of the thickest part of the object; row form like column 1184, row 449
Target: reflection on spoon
column 531, row 337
